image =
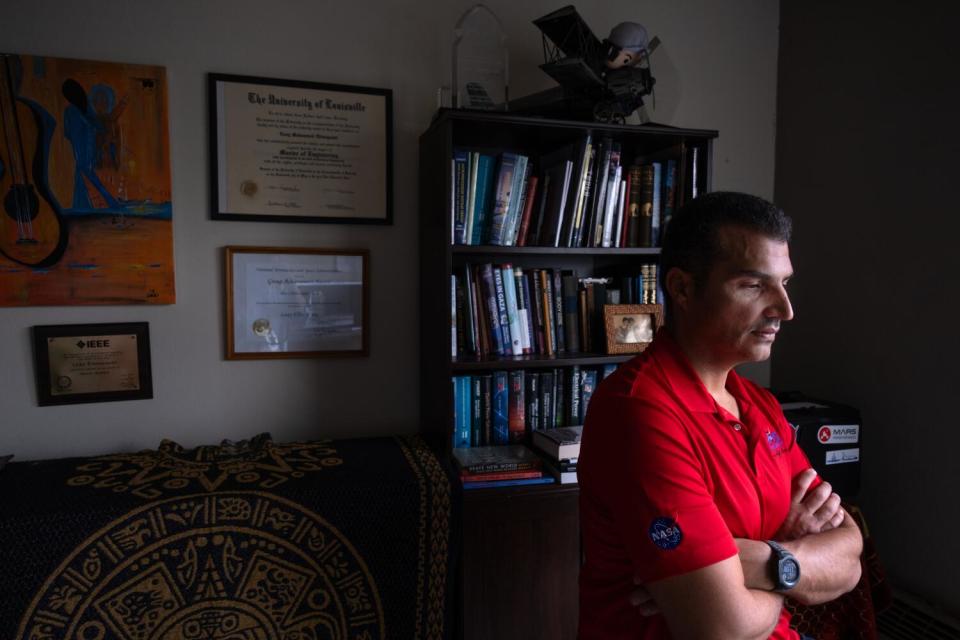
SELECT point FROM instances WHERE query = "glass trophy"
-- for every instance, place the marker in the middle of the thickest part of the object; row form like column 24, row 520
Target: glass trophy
column 480, row 61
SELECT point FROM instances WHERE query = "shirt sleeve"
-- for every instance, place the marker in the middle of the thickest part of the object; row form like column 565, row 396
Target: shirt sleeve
column 670, row 522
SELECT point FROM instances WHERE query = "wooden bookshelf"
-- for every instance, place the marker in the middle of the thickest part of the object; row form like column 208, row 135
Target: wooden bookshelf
column 521, row 545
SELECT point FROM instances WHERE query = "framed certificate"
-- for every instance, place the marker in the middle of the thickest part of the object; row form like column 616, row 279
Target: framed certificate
column 78, row 363
column 295, row 151
column 296, row 302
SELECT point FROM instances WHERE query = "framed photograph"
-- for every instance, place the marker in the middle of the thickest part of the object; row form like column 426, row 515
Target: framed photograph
column 631, row 327
column 296, row 302
column 78, row 363
column 296, row 151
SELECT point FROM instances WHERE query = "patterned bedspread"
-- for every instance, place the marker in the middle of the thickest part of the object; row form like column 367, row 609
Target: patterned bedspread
column 255, row 540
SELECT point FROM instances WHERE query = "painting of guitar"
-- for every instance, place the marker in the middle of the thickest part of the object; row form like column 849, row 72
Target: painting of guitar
column 32, row 230
column 85, row 206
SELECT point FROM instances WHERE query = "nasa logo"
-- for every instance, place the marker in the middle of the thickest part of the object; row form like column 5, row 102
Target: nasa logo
column 774, row 442
column 665, row 533
column 824, row 434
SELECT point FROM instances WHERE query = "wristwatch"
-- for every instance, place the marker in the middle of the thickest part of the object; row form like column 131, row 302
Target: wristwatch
column 786, row 569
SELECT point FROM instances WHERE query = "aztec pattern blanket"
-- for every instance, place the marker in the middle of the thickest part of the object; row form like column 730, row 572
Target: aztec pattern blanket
column 346, row 539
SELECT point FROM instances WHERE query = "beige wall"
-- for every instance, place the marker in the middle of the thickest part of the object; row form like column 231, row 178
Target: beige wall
column 715, row 69
column 867, row 164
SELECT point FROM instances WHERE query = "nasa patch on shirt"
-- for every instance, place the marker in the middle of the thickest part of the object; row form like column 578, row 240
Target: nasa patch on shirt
column 665, row 533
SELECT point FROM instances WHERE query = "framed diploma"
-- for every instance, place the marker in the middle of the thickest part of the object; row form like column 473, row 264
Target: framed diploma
column 92, row 362
column 296, row 302
column 295, row 151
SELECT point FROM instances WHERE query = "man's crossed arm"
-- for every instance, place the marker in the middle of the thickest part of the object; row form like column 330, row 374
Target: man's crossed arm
column 734, row 598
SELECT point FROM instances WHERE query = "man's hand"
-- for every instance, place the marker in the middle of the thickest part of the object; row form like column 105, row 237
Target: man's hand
column 642, row 599
column 813, row 512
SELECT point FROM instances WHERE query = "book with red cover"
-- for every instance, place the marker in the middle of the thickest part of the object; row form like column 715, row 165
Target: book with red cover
column 499, row 475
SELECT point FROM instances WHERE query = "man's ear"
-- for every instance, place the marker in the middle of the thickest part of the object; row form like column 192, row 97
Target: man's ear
column 680, row 287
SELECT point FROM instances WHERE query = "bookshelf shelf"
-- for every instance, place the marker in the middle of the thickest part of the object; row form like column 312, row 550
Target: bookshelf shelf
column 505, row 559
column 527, row 362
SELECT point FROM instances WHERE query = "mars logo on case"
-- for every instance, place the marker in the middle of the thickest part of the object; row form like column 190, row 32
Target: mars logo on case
column 665, row 533
column 824, row 434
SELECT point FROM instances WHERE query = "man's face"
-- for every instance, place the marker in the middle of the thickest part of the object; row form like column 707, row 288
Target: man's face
column 738, row 309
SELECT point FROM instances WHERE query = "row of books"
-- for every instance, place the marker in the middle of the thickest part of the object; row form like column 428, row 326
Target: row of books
column 580, row 195
column 506, row 407
column 551, row 458
column 502, row 310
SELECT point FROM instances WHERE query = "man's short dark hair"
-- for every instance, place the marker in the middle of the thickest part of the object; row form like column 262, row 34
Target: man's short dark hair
column 691, row 239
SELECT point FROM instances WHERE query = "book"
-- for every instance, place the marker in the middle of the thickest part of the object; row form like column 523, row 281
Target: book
column 558, row 165
column 500, row 408
column 532, row 396
column 530, row 196
column 456, row 317
column 514, row 322
column 492, row 309
column 462, row 411
column 584, row 181
column 535, row 234
column 635, row 177
column 559, row 442
column 547, row 399
column 561, row 475
column 657, row 197
column 483, row 198
column 486, row 409
column 490, row 459
column 516, row 416
column 546, row 298
column 556, row 292
column 646, row 206
column 502, row 317
column 460, row 180
column 574, row 417
column 499, row 475
column 559, row 399
column 503, row 191
column 523, row 310
column 539, row 327
column 571, row 323
column 476, row 418
column 669, row 191
column 491, row 484
column 521, row 173
column 473, row 164
column 588, row 384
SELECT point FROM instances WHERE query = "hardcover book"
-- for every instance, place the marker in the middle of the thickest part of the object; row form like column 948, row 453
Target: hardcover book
column 559, row 443
column 514, row 457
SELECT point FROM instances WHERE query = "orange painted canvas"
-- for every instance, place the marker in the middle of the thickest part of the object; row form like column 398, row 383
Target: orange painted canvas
column 85, row 212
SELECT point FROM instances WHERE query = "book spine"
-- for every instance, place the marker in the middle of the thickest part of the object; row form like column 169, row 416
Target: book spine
column 489, row 289
column 499, row 467
column 462, row 411
column 560, row 399
column 571, row 323
column 486, row 410
column 562, row 212
column 487, row 476
column 530, row 196
column 539, row 331
column 646, row 206
column 503, row 191
column 523, row 309
column 573, row 383
column 669, row 191
column 473, row 165
column 537, row 225
column 560, row 330
column 657, row 200
column 513, row 309
column 481, row 313
column 619, row 213
column 484, row 197
column 471, row 344
column 583, row 202
column 532, row 396
column 502, row 318
column 517, row 409
column 613, row 194
column 625, row 210
column 476, row 418
column 521, row 173
column 460, row 180
column 546, row 399
column 501, row 408
column 634, row 219
column 589, row 383
column 456, row 319
column 583, row 308
column 547, row 307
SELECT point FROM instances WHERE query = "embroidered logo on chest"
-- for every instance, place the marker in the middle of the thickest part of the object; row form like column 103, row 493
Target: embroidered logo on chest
column 774, row 443
column 665, row 533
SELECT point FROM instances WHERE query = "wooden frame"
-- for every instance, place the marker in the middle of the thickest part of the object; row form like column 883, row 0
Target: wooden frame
column 79, row 363
column 288, row 302
column 297, row 151
column 629, row 328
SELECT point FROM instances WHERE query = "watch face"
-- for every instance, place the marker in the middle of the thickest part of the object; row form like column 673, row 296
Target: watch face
column 789, row 571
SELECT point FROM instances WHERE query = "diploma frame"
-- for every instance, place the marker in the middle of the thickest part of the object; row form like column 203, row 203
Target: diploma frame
column 50, row 392
column 368, row 193
column 629, row 328
column 240, row 283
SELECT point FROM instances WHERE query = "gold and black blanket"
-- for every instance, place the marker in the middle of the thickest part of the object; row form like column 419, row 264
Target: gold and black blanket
column 346, row 539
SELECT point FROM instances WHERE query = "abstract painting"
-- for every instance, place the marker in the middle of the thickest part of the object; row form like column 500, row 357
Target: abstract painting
column 84, row 183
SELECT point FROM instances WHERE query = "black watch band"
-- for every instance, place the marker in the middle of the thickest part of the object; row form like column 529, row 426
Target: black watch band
column 786, row 569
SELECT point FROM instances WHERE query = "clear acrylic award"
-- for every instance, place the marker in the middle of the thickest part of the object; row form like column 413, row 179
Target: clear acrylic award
column 480, row 61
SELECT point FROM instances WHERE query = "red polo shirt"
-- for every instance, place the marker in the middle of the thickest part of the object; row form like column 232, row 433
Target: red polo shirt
column 668, row 479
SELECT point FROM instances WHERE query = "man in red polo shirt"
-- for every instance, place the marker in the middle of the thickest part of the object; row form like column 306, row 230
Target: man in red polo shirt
column 692, row 484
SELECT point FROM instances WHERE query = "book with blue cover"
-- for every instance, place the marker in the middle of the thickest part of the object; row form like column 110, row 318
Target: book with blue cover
column 483, row 202
column 504, row 189
column 501, row 408
column 462, row 411
column 508, row 483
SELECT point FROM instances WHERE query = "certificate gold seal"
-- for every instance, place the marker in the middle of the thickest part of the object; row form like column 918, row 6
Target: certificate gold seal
column 261, row 327
column 249, row 188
